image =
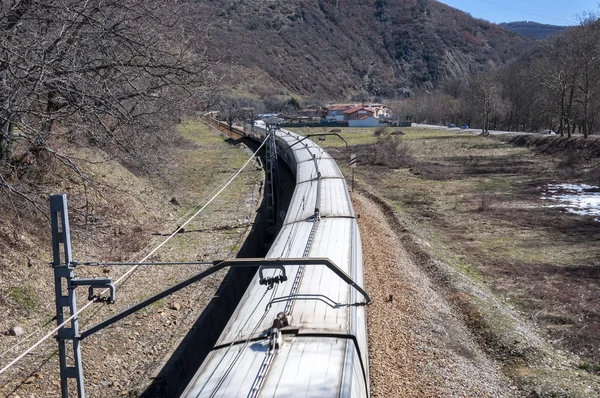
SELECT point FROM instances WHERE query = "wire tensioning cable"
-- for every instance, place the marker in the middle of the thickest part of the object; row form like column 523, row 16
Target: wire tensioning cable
column 132, row 269
column 130, row 262
column 240, row 330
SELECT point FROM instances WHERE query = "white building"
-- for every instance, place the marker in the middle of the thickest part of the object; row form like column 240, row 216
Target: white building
column 367, row 121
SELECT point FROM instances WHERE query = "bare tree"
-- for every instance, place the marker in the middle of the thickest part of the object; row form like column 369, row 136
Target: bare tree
column 557, row 73
column 112, row 74
column 521, row 92
column 586, row 45
column 485, row 95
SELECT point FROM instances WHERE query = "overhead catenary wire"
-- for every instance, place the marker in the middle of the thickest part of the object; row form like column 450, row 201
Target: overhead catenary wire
column 179, row 220
column 149, row 244
column 240, row 330
column 244, row 346
column 182, row 217
column 132, row 269
column 131, row 259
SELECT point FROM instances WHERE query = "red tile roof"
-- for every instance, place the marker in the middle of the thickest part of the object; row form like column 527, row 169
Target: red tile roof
column 341, row 107
column 353, row 110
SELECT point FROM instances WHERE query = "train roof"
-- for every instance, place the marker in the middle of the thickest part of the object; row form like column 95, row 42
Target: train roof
column 321, row 349
column 304, row 367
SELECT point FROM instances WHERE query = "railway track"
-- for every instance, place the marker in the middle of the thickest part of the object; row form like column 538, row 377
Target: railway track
column 233, row 132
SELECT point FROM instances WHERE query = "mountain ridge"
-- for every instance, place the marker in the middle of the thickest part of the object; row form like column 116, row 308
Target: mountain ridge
column 349, row 48
column 533, row 30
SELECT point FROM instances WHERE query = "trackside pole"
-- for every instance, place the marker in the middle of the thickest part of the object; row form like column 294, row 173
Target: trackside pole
column 270, row 178
column 65, row 283
column 353, row 166
column 65, row 296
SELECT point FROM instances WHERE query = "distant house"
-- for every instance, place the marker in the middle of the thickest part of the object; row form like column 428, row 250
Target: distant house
column 357, row 113
column 348, row 112
column 379, row 111
column 313, row 111
column 336, row 112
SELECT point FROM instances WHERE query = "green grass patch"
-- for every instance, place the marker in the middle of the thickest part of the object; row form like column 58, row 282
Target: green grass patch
column 590, row 366
column 495, row 184
column 399, row 206
column 24, row 296
column 511, row 248
column 208, row 163
column 468, row 270
column 199, row 133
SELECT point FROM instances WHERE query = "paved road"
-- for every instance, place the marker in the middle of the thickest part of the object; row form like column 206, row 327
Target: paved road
column 474, row 131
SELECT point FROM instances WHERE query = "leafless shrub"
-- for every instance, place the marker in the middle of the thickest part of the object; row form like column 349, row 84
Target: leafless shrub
column 378, row 131
column 486, row 202
column 387, row 151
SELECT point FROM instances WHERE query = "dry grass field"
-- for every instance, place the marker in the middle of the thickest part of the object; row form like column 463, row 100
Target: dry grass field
column 475, row 204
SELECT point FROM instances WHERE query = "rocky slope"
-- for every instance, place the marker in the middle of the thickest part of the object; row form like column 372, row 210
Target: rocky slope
column 334, row 48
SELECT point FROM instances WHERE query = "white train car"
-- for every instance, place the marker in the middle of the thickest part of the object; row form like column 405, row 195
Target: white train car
column 306, row 336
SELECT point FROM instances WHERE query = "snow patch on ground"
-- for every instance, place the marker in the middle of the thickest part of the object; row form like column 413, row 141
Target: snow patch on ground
column 579, row 199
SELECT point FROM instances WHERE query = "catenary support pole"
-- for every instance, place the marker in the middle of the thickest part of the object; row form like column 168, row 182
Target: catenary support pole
column 271, row 178
column 65, row 296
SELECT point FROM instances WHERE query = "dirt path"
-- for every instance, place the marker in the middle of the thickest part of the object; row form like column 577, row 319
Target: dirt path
column 418, row 346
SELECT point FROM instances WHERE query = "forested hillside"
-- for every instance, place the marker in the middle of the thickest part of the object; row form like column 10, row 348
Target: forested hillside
column 555, row 86
column 533, row 30
column 341, row 48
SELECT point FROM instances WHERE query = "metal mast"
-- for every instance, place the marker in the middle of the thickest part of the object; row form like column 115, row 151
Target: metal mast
column 65, row 296
column 271, row 177
column 65, row 283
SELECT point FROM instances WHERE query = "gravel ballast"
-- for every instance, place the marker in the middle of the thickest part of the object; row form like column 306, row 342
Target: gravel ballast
column 418, row 345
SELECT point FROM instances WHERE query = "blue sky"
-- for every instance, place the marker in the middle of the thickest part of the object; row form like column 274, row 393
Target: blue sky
column 554, row 12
